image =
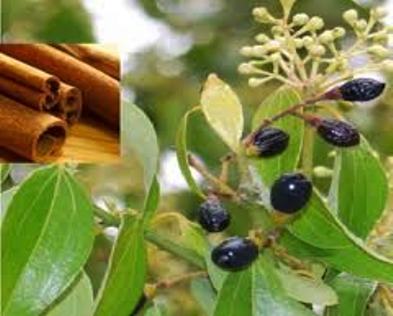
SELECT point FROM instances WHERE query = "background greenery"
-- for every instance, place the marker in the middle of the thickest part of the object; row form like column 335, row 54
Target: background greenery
column 165, row 86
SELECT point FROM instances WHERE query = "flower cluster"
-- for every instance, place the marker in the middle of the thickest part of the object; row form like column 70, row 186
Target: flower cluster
column 302, row 53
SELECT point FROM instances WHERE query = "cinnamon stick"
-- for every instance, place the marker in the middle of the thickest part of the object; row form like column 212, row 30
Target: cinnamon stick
column 69, row 107
column 41, row 101
column 34, row 135
column 100, row 92
column 28, row 76
column 94, row 55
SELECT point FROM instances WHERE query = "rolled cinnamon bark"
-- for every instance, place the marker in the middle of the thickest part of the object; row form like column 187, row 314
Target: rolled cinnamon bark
column 100, row 92
column 34, row 135
column 94, row 55
column 41, row 101
column 69, row 107
column 28, row 76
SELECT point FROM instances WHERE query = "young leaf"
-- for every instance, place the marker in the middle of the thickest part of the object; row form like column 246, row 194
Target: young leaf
column 125, row 278
column 204, row 294
column 270, row 169
column 223, row 111
column 182, row 154
column 335, row 245
column 257, row 291
column 304, row 289
column 360, row 189
column 138, row 136
column 151, row 201
column 38, row 264
column 78, row 302
column 354, row 295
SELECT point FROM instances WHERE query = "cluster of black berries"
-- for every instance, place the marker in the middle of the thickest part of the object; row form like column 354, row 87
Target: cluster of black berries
column 291, row 192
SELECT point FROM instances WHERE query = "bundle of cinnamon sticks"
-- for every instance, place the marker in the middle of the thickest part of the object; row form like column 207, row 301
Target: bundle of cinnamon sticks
column 43, row 90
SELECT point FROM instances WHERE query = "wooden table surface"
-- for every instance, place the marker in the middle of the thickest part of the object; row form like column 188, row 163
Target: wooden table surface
column 89, row 141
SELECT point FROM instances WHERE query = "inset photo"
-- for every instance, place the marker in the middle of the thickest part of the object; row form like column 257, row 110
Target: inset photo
column 59, row 103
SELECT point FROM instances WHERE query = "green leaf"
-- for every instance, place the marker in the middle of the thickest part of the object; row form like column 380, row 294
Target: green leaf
column 204, row 294
column 280, row 100
column 335, row 245
column 309, row 290
column 182, row 153
column 151, row 202
column 4, row 172
column 257, row 291
column 138, row 136
column 223, row 111
column 217, row 276
column 360, row 188
column 47, row 235
column 78, row 302
column 124, row 280
column 354, row 295
column 236, row 294
column 5, row 199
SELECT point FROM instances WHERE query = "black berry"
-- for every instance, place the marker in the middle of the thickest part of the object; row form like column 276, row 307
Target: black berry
column 338, row 133
column 268, row 142
column 290, row 193
column 362, row 89
column 213, row 217
column 235, row 254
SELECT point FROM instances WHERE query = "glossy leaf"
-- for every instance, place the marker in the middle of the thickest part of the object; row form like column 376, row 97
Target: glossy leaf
column 204, row 294
column 78, row 302
column 257, row 291
column 124, row 280
column 38, row 264
column 182, row 153
column 151, row 201
column 335, row 245
column 5, row 199
column 223, row 110
column 360, row 189
column 138, row 136
column 354, row 294
column 311, row 290
column 272, row 168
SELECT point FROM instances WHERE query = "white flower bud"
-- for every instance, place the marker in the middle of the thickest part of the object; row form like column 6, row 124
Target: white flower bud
column 327, row 37
column 246, row 51
column 262, row 38
column 317, row 50
column 361, row 25
column 259, row 51
column 275, row 57
column 351, row 16
column 378, row 51
column 300, row 19
column 381, row 37
column 262, row 15
column 299, row 43
column 277, row 30
column 322, row 172
column 339, row 32
column 379, row 13
column 308, row 41
column 272, row 46
column 315, row 24
column 246, row 69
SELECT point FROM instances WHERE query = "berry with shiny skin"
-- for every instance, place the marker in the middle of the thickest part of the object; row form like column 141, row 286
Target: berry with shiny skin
column 213, row 217
column 338, row 133
column 290, row 193
column 362, row 89
column 268, row 142
column 235, row 253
